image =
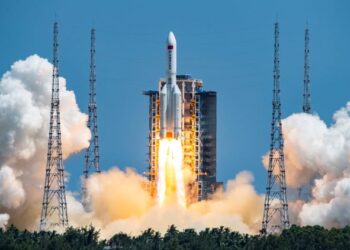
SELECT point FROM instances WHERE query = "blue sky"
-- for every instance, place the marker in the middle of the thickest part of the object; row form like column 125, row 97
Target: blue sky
column 227, row 44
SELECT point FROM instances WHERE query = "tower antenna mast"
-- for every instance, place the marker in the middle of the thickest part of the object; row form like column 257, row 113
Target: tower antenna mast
column 307, row 90
column 276, row 217
column 92, row 154
column 306, row 94
column 54, row 206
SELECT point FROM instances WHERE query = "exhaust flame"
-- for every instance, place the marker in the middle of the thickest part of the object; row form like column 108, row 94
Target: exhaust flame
column 170, row 184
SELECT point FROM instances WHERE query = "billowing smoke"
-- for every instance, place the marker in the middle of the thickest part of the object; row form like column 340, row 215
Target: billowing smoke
column 25, row 94
column 120, row 202
column 12, row 194
column 4, row 218
column 318, row 159
column 313, row 149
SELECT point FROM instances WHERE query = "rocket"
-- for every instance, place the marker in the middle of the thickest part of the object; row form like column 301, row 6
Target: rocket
column 170, row 96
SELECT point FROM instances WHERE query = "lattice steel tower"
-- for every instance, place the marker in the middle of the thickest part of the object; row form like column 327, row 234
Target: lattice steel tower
column 275, row 217
column 92, row 156
column 307, row 91
column 306, row 94
column 54, row 207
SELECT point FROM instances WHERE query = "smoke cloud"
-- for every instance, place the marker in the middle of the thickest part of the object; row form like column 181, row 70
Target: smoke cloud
column 120, row 202
column 313, row 149
column 318, row 159
column 329, row 208
column 12, row 194
column 4, row 220
column 25, row 95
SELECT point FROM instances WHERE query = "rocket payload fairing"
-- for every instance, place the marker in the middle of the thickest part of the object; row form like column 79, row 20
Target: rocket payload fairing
column 170, row 96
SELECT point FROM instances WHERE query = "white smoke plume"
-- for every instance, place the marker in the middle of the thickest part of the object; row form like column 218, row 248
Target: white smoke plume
column 12, row 194
column 25, row 95
column 318, row 159
column 4, row 218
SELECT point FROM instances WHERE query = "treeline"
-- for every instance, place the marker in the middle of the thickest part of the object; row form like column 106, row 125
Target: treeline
column 309, row 237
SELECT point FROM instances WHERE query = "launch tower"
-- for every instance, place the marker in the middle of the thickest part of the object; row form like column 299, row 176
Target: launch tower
column 198, row 134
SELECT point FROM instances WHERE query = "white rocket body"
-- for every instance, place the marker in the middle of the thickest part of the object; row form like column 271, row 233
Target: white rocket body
column 170, row 96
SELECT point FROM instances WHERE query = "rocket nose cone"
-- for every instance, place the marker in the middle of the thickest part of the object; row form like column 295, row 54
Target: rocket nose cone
column 171, row 38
